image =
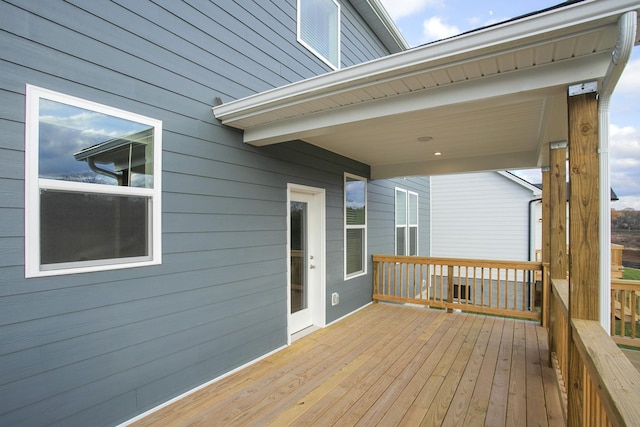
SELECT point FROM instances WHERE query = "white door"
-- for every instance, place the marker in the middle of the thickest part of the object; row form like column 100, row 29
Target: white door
column 306, row 258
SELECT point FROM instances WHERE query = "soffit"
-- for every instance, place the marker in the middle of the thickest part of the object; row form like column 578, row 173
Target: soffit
column 491, row 99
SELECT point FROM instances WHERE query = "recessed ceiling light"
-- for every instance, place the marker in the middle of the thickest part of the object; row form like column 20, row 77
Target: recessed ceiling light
column 425, row 139
column 437, row 153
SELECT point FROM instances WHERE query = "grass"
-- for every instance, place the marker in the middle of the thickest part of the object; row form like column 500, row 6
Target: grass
column 631, row 274
column 627, row 329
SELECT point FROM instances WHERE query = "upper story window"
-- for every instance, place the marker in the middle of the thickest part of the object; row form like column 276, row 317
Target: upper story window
column 319, row 29
column 93, row 186
column 355, row 225
column 406, row 222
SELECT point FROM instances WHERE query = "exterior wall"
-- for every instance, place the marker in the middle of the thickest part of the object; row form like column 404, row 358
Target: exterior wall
column 480, row 215
column 99, row 348
column 382, row 214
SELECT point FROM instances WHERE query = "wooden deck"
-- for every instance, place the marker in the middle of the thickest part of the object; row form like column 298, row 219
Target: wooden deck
column 389, row 365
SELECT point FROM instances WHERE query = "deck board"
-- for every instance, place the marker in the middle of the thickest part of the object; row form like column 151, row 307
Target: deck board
column 388, row 365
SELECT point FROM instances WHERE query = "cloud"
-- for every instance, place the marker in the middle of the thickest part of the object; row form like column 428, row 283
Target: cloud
column 435, row 29
column 630, row 80
column 485, row 21
column 400, row 8
column 627, row 202
column 625, row 161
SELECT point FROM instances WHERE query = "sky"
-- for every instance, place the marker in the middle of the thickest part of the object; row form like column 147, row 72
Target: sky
column 423, row 21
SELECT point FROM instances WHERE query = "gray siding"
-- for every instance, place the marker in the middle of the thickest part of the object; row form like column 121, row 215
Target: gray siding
column 382, row 213
column 100, row 348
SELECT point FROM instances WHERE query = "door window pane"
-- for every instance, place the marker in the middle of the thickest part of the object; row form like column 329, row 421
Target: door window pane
column 298, row 247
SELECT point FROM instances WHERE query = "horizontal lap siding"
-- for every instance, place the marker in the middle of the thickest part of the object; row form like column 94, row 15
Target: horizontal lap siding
column 99, row 348
column 382, row 214
column 480, row 215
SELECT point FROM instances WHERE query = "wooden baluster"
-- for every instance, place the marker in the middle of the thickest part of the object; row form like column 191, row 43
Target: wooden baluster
column 450, row 287
column 633, row 314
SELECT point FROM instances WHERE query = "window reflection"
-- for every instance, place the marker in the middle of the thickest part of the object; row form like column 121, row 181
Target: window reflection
column 81, row 145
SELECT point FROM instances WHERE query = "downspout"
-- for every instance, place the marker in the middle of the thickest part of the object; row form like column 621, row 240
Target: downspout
column 619, row 59
column 531, row 247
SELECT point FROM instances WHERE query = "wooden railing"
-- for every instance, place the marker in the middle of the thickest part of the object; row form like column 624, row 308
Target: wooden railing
column 617, row 270
column 559, row 333
column 625, row 311
column 611, row 384
column 505, row 288
column 608, row 390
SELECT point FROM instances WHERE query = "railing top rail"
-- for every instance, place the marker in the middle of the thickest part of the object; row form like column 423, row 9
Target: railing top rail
column 610, row 370
column 462, row 262
column 560, row 287
column 625, row 284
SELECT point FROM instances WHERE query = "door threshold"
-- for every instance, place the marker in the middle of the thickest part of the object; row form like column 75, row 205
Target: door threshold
column 304, row 332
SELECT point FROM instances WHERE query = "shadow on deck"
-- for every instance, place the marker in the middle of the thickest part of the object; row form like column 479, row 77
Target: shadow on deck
column 389, row 365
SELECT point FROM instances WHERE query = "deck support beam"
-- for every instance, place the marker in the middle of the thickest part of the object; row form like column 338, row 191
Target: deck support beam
column 584, row 220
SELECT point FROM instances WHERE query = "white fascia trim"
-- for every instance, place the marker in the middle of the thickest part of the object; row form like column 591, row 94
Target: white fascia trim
column 463, row 46
column 526, row 184
column 521, row 81
column 389, row 25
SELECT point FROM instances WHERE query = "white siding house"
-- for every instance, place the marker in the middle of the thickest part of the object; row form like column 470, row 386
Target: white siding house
column 485, row 215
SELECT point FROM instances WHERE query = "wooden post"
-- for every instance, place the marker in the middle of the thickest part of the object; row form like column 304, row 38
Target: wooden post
column 584, row 217
column 376, row 280
column 546, row 232
column 558, row 210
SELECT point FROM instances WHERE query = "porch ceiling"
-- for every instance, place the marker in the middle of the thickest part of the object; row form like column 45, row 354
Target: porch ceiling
column 489, row 99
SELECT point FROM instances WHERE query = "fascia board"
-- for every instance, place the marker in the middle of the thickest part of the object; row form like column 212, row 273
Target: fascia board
column 535, row 190
column 521, row 81
column 549, row 24
column 374, row 13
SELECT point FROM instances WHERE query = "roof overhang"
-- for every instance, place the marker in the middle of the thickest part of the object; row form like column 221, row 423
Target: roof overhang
column 491, row 99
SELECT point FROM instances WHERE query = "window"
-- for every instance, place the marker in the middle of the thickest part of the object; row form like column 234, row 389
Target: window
column 406, row 222
column 93, row 188
column 319, row 29
column 355, row 225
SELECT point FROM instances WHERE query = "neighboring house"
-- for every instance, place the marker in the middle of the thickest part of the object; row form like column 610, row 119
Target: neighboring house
column 485, row 215
column 159, row 251
column 188, row 185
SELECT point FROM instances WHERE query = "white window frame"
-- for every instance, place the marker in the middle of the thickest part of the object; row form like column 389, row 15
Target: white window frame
column 33, row 185
column 309, row 46
column 408, row 225
column 363, row 227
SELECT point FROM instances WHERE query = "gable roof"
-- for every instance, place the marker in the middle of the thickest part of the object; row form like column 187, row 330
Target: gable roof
column 491, row 99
